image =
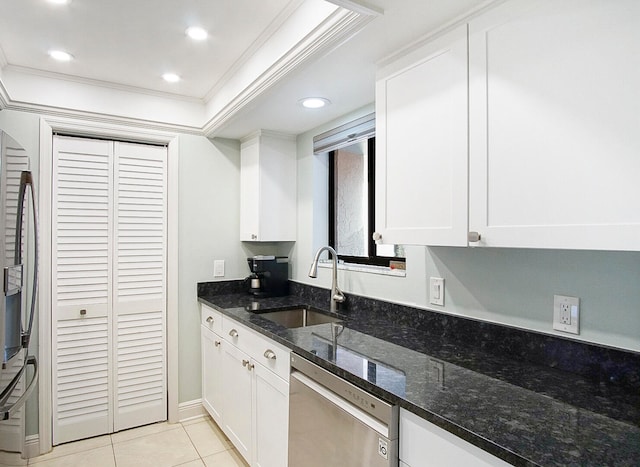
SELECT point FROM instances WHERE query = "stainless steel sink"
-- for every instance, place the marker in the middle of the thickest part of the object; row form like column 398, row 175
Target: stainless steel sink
column 299, row 317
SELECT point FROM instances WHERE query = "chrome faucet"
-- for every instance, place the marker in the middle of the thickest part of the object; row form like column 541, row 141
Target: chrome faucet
column 336, row 294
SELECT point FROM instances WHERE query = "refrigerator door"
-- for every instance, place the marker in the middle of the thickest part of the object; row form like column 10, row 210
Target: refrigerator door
column 16, row 317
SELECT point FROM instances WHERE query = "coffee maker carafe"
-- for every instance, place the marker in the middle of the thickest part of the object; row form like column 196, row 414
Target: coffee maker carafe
column 269, row 276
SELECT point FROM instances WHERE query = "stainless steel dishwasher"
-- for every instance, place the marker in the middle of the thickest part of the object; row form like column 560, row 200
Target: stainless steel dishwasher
column 332, row 422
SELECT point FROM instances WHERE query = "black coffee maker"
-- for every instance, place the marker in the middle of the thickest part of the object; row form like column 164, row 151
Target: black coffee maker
column 269, row 276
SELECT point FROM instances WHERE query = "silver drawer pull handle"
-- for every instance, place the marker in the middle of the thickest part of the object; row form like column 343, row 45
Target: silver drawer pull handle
column 233, row 333
column 247, row 364
column 210, row 319
column 216, row 343
column 270, row 354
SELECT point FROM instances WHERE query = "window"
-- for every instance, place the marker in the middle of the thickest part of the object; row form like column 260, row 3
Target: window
column 351, row 209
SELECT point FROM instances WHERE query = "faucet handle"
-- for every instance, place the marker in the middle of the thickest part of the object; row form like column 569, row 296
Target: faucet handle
column 339, row 297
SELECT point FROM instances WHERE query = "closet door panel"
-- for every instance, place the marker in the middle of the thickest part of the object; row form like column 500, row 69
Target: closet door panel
column 82, row 225
column 139, row 285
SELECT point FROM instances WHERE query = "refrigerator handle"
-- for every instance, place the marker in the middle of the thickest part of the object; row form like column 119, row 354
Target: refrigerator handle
column 7, row 411
column 26, row 179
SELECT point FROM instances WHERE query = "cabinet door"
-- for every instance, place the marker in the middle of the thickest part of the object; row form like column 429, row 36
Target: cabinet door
column 250, row 191
column 237, row 397
column 268, row 188
column 212, row 376
column 554, row 115
column 271, row 418
column 421, row 145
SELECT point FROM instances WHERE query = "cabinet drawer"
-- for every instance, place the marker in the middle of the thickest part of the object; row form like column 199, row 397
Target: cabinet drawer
column 263, row 350
column 271, row 355
column 211, row 319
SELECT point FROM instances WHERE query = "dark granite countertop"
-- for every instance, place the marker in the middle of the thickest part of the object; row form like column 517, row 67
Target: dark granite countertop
column 524, row 413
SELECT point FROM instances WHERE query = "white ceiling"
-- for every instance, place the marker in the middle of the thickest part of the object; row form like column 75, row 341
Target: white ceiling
column 131, row 43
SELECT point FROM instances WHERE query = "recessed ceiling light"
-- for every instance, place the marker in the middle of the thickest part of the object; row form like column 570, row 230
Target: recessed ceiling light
column 314, row 102
column 60, row 55
column 196, row 33
column 171, row 77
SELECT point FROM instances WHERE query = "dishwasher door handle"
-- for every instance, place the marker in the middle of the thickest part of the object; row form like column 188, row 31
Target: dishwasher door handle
column 351, row 409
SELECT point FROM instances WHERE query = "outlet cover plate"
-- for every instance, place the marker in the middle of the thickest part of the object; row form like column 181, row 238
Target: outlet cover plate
column 218, row 268
column 566, row 314
column 436, row 291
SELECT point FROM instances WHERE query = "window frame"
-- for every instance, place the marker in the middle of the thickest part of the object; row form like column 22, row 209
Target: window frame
column 372, row 259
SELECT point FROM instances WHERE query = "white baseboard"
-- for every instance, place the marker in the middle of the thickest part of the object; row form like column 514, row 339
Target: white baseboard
column 191, row 410
column 32, row 446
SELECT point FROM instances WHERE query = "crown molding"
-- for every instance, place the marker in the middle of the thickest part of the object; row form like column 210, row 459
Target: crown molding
column 338, row 27
column 359, row 6
column 4, row 96
column 100, row 118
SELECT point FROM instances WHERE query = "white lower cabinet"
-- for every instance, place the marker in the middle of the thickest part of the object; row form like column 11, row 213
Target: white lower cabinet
column 212, row 382
column 425, row 444
column 271, row 422
column 245, row 388
column 237, row 399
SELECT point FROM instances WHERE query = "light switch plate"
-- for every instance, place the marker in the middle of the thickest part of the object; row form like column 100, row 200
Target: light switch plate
column 218, row 268
column 566, row 314
column 436, row 291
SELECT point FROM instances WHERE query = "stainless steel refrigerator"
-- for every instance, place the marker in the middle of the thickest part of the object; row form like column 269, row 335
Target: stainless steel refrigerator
column 18, row 273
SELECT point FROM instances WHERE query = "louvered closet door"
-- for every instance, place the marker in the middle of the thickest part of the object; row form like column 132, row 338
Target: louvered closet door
column 139, row 285
column 109, row 284
column 82, row 255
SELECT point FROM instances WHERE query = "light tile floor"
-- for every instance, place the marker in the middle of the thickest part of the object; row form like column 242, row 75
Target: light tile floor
column 197, row 443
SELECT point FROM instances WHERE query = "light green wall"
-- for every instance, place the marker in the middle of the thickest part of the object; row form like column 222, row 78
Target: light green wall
column 209, row 229
column 508, row 286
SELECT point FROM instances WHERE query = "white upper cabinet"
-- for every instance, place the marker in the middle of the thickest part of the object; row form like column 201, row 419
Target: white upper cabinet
column 421, row 145
column 268, row 188
column 555, row 125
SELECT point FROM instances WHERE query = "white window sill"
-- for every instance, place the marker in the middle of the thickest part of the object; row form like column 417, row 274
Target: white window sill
column 366, row 268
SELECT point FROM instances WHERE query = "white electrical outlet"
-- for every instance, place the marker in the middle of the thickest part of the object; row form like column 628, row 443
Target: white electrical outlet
column 436, row 291
column 566, row 314
column 218, row 268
